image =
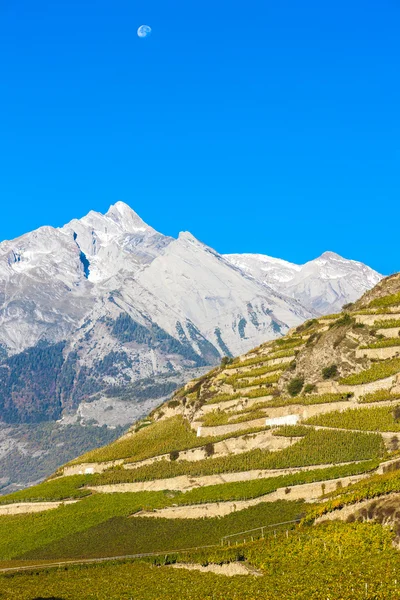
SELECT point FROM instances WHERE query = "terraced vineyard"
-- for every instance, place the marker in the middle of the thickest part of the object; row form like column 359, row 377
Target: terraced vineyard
column 303, row 427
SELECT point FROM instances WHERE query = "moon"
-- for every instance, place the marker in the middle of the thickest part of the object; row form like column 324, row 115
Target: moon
column 144, row 31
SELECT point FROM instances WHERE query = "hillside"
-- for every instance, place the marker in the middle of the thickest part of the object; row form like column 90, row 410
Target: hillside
column 302, row 428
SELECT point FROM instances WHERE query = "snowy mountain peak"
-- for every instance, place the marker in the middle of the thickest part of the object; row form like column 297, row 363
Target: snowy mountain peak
column 329, row 255
column 324, row 284
column 124, row 216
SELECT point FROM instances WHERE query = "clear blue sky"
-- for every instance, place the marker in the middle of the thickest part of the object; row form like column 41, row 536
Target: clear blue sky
column 259, row 126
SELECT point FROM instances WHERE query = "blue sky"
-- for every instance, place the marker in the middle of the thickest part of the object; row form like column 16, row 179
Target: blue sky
column 259, row 126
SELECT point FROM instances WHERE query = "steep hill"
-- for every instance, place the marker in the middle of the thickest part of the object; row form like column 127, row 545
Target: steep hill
column 303, row 427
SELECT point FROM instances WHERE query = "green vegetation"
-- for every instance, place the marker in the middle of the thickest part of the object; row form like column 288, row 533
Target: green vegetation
column 22, row 533
column 252, row 361
column 287, row 343
column 373, row 487
column 118, row 536
column 385, row 343
column 282, row 354
column 161, row 437
column 330, row 372
column 219, row 417
column 316, row 448
column 245, row 490
column 309, row 400
column 388, row 324
column 258, row 381
column 379, row 396
column 222, row 398
column 253, row 373
column 295, row 386
column 291, row 431
column 52, row 490
column 343, row 321
column 377, row 371
column 28, row 384
column 329, row 561
column 385, row 301
column 379, row 418
column 258, row 393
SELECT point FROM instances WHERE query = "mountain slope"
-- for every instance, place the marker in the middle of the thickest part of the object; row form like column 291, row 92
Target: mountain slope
column 113, row 302
column 305, row 425
column 323, row 285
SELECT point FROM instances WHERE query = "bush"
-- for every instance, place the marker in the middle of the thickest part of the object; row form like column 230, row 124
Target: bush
column 209, row 449
column 174, row 455
column 295, row 386
column 345, row 320
column 330, row 372
column 309, row 388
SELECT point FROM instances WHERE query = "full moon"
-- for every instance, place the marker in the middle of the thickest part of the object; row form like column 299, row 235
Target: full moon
column 144, row 31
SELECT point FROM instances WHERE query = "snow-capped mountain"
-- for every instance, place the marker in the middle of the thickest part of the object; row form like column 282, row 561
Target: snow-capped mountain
column 323, row 285
column 106, row 301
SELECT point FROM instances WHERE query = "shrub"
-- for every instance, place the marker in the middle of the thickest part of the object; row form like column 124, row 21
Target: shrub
column 295, row 386
column 308, row 388
column 396, row 414
column 174, row 455
column 330, row 372
column 209, row 449
column 226, row 360
column 345, row 320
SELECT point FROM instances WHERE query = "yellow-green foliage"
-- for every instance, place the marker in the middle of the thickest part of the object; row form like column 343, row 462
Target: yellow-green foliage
column 287, row 343
column 391, row 300
column 329, row 561
column 388, row 324
column 244, row 490
column 253, row 373
column 291, row 431
column 258, row 393
column 222, row 398
column 309, row 399
column 249, row 362
column 55, row 489
column 219, row 417
column 316, row 448
column 120, row 536
column 385, row 343
column 282, row 354
column 373, row 487
column 22, row 533
column 377, row 371
column 159, row 438
column 378, row 396
column 377, row 418
column 258, row 381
